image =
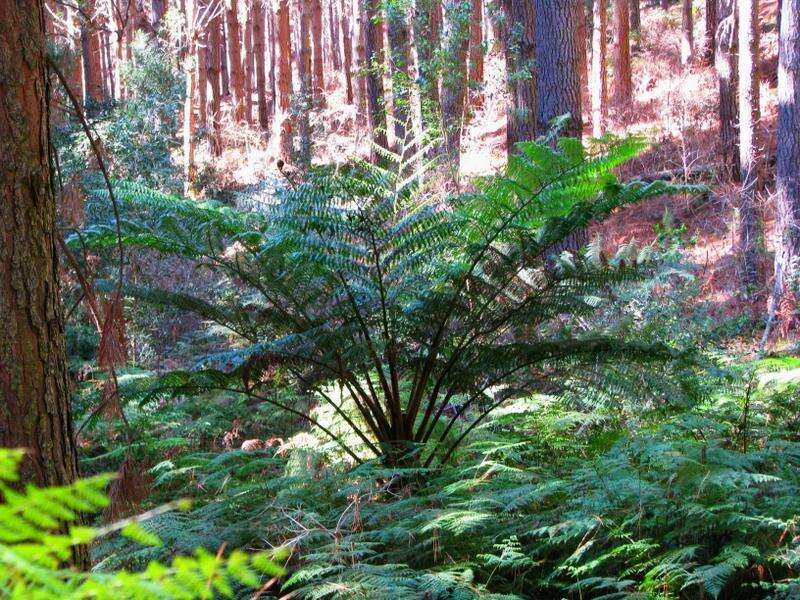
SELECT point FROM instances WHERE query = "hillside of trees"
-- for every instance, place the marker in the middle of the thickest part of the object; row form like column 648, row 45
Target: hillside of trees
column 420, row 299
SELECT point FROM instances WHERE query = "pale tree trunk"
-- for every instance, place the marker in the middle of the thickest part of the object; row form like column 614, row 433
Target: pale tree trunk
column 285, row 77
column 558, row 84
column 34, row 380
column 597, row 83
column 687, row 32
column 427, row 28
column 260, row 72
column 520, row 56
column 248, row 65
column 400, row 65
column 190, row 68
column 476, row 51
column 710, row 32
column 347, row 42
column 727, row 76
column 319, row 65
column 304, row 72
column 213, row 57
column 787, row 184
column 622, row 92
column 373, row 52
column 92, row 68
column 235, row 59
column 749, row 229
column 333, row 27
column 455, row 40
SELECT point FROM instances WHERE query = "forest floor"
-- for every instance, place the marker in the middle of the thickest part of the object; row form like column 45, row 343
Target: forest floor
column 674, row 107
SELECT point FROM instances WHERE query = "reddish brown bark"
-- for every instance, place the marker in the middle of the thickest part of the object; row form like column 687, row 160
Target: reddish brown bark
column 319, row 66
column 235, row 59
column 622, row 92
column 213, row 65
column 260, row 73
column 347, row 42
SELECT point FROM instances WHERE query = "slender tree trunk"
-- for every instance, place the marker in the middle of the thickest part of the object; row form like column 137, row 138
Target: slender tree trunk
column 285, row 77
column 34, row 380
column 319, row 65
column 214, row 57
column 348, row 49
column 248, row 65
column 158, row 8
column 373, row 51
column 727, row 76
column 333, row 26
column 520, row 47
column 787, row 184
column 476, row 51
column 687, row 32
column 235, row 59
column 362, row 117
column 622, row 93
column 272, row 60
column 260, row 73
column 558, row 84
column 636, row 17
column 427, row 24
column 304, row 72
column 597, row 83
column 202, row 79
column 711, row 31
column 749, row 228
column 455, row 32
column 92, row 69
column 400, row 65
column 190, row 68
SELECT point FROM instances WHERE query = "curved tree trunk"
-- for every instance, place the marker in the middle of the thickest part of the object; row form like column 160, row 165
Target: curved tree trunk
column 34, row 381
column 749, row 228
column 622, row 94
column 558, row 84
column 597, row 81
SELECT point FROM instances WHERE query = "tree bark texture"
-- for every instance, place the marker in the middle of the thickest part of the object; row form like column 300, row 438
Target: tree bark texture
column 597, row 79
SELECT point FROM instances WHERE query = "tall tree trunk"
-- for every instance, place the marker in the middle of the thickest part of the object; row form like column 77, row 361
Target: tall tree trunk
column 347, row 41
column 260, row 72
column 455, row 33
column 622, row 93
column 158, row 8
column 333, row 26
column 427, row 28
column 711, row 31
column 272, row 60
column 92, row 68
column 304, row 72
column 520, row 50
column 362, row 116
column 636, row 17
column 476, row 51
column 581, row 43
column 213, row 57
column 400, row 65
column 235, row 59
column 202, row 77
column 248, row 65
column 319, row 65
column 727, row 76
column 597, row 84
column 223, row 54
column 687, row 32
column 787, row 184
column 373, row 52
column 34, row 381
column 190, row 68
column 558, row 84
column 749, row 228
column 285, row 76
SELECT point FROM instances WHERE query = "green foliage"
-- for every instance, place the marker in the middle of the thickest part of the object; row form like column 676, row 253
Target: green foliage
column 40, row 527
column 361, row 278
